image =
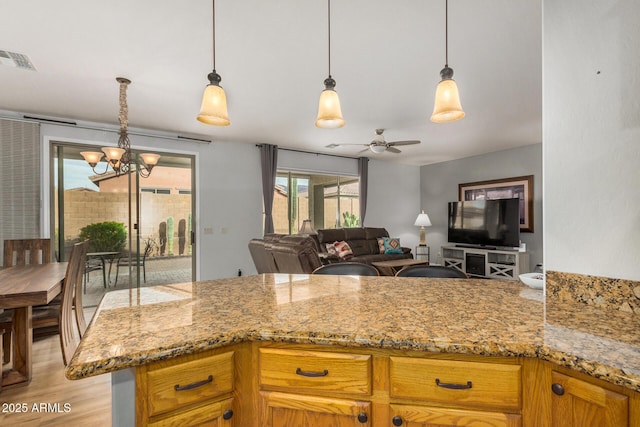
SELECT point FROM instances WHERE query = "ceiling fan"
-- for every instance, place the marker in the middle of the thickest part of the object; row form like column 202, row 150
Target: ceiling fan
column 379, row 145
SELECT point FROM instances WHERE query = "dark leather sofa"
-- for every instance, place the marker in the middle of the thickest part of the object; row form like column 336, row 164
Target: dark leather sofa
column 281, row 253
column 363, row 242
column 277, row 253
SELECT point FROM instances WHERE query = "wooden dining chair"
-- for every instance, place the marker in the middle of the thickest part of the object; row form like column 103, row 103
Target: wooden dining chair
column 26, row 251
column 72, row 295
column 23, row 252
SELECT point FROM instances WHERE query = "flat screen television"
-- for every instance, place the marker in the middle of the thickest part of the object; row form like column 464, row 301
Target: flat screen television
column 481, row 223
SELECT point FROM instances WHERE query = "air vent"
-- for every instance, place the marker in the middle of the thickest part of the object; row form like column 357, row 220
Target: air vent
column 17, row 60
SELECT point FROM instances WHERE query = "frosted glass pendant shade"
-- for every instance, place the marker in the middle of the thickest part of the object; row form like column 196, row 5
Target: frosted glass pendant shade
column 447, row 106
column 329, row 112
column 150, row 159
column 113, row 154
column 92, row 157
column 214, row 107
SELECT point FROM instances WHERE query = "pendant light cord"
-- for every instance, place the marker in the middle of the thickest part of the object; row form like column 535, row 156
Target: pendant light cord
column 214, row 34
column 329, row 21
column 446, row 33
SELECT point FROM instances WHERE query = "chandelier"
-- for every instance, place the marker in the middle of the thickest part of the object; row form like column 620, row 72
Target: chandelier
column 120, row 158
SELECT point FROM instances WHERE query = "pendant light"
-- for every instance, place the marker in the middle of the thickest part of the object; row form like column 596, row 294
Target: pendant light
column 447, row 106
column 329, row 112
column 214, row 101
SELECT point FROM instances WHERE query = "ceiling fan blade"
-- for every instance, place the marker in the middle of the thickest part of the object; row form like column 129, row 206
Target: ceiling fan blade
column 362, row 151
column 411, row 142
column 393, row 150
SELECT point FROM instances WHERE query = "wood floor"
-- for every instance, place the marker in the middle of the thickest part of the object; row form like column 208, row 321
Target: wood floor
column 84, row 402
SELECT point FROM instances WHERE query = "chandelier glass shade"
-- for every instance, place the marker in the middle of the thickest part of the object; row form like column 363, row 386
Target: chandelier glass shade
column 120, row 158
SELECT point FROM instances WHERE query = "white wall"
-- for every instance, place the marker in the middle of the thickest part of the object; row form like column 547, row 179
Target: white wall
column 393, row 200
column 591, row 134
column 439, row 185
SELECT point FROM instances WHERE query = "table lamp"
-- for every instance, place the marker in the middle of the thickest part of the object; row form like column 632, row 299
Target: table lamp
column 422, row 221
column 306, row 228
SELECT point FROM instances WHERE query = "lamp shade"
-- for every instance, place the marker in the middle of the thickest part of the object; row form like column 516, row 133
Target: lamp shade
column 306, row 227
column 214, row 106
column 329, row 112
column 447, row 106
column 423, row 220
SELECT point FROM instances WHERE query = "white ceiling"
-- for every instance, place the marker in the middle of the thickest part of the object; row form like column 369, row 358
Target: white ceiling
column 272, row 56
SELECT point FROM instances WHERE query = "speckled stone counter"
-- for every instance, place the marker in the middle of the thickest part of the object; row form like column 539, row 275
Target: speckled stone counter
column 480, row 317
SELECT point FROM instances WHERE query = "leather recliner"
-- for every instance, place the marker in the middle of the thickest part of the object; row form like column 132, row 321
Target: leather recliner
column 295, row 255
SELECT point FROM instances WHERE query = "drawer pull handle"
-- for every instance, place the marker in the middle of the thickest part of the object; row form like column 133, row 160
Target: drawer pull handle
column 362, row 418
column 397, row 421
column 311, row 373
column 191, row 386
column 466, row 386
column 227, row 414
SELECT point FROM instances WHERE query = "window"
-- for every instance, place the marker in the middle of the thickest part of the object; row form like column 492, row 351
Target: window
column 329, row 201
column 155, row 190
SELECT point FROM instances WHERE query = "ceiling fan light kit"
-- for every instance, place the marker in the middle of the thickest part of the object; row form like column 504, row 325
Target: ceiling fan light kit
column 213, row 110
column 447, row 107
column 329, row 111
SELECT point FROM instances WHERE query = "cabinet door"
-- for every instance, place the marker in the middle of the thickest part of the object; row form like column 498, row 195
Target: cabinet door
column 214, row 414
column 576, row 403
column 288, row 410
column 424, row 416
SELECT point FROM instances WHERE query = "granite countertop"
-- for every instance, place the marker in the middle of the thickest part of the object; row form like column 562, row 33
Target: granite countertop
column 481, row 317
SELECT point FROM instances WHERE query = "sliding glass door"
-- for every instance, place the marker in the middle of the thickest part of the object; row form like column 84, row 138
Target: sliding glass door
column 329, row 201
column 139, row 228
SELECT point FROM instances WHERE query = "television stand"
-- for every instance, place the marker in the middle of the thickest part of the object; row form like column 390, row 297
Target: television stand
column 491, row 248
column 486, row 262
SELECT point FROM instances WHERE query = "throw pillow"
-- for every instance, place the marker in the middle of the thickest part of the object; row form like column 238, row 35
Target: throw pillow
column 331, row 250
column 380, row 245
column 343, row 249
column 392, row 245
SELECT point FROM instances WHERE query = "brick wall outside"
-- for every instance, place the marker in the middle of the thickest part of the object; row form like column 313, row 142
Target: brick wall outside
column 88, row 207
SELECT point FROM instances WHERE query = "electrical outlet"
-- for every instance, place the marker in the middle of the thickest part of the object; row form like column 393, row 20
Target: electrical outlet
column 208, row 230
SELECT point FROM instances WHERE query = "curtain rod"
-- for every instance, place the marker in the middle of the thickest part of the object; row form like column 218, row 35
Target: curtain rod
column 69, row 123
column 317, row 154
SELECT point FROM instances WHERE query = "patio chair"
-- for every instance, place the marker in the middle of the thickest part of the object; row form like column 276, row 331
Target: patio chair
column 136, row 261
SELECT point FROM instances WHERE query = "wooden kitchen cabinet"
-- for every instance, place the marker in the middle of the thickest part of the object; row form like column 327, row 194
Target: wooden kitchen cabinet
column 195, row 390
column 289, row 385
column 577, row 403
column 302, row 387
column 454, row 392
column 425, row 416
column 290, row 410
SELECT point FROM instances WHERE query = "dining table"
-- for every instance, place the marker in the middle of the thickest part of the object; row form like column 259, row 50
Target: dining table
column 21, row 288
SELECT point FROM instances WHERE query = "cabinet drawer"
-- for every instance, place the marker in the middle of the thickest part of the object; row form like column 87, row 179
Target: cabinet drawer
column 199, row 380
column 208, row 414
column 426, row 416
column 299, row 370
column 464, row 383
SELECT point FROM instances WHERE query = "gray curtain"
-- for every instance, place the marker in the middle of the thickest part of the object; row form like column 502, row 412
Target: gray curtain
column 269, row 162
column 363, row 172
